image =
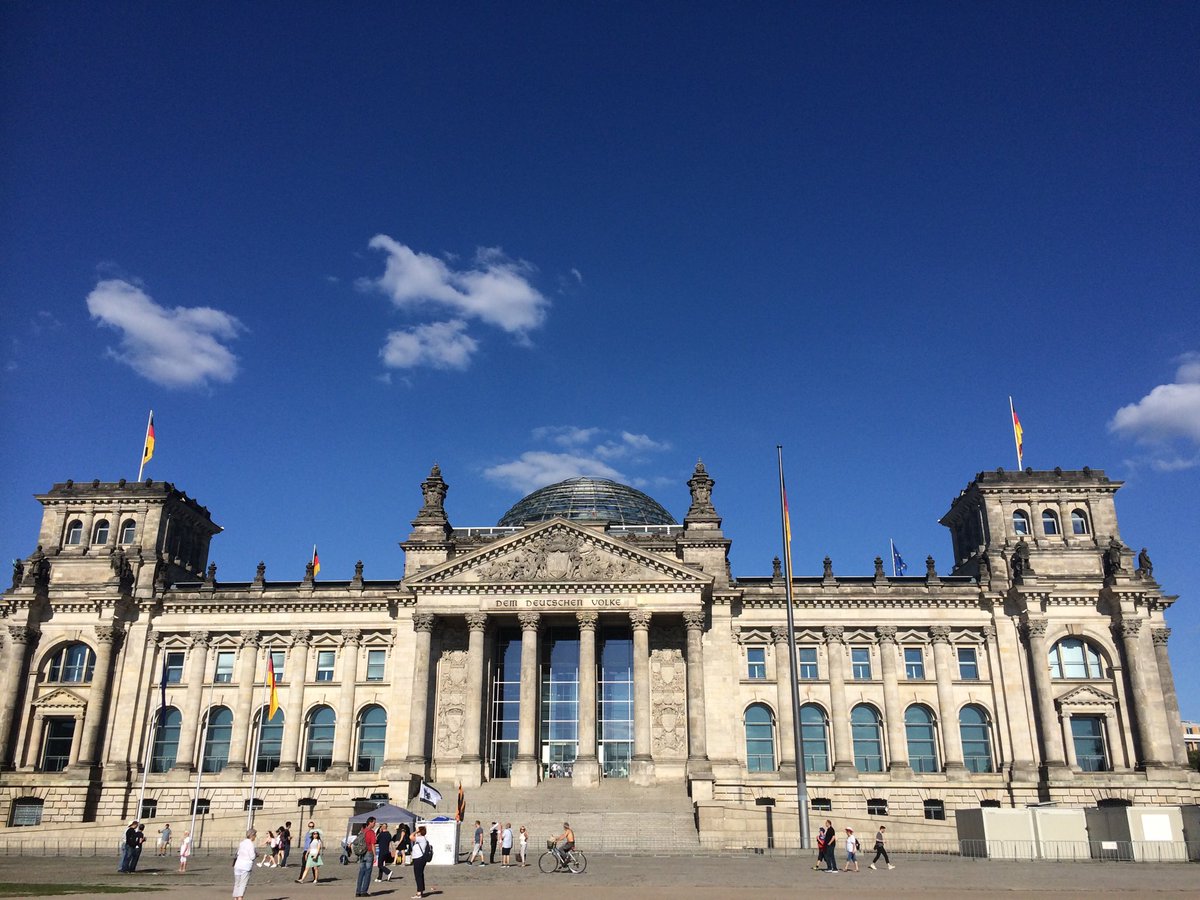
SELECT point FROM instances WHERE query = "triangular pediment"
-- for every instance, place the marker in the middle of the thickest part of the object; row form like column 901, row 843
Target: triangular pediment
column 60, row 700
column 1086, row 695
column 558, row 551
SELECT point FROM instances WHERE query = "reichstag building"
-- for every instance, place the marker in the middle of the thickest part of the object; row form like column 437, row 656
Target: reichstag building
column 589, row 636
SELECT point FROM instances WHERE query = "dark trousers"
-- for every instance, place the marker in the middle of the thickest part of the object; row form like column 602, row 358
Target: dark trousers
column 493, row 856
column 365, row 865
column 880, row 851
column 830, row 858
column 384, row 859
column 126, row 859
column 419, row 874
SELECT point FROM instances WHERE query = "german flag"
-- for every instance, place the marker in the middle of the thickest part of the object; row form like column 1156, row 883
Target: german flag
column 461, row 811
column 316, row 562
column 274, row 707
column 148, row 448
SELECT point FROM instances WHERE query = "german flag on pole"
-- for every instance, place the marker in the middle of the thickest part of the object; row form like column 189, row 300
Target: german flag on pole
column 148, row 449
column 1018, row 435
column 316, row 562
column 271, row 685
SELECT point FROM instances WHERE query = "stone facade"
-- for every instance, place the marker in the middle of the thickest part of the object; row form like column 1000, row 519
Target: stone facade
column 1036, row 670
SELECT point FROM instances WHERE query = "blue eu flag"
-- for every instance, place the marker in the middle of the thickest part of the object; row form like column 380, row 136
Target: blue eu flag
column 899, row 566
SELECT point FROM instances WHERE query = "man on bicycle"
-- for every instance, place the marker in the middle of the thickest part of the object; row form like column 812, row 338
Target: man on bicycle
column 565, row 841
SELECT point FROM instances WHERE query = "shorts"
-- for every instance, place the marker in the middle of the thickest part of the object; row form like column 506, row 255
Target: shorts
column 852, row 856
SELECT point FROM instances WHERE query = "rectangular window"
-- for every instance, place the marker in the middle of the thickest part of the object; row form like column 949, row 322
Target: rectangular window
column 860, row 661
column 807, row 663
column 174, row 666
column 1088, row 734
column 968, row 664
column 914, row 663
column 756, row 662
column 877, row 806
column 325, row 665
column 224, row 673
column 375, row 661
column 278, row 657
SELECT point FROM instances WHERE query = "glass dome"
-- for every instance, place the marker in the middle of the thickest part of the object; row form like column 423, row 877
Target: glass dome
column 591, row 499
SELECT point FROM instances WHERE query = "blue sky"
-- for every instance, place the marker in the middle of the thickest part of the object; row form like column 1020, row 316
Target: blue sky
column 331, row 244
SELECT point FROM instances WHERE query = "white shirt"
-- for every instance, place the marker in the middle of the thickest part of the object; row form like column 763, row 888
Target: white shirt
column 851, row 844
column 506, row 838
column 247, row 853
column 419, row 844
column 185, row 847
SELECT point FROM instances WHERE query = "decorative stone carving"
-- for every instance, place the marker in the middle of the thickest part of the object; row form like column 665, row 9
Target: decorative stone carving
column 701, row 485
column 529, row 620
column 1113, row 565
column 17, row 574
column 37, row 572
column 1128, row 628
column 940, row 634
column 879, row 573
column 310, row 572
column 834, row 634
column 587, row 620
column 433, row 492
column 1035, row 628
column 930, row 569
column 639, row 618
column 694, row 619
column 351, row 637
column 1145, row 567
column 668, row 701
column 886, row 634
column 561, row 556
column 423, row 622
column 210, row 577
column 301, row 637
column 827, row 568
column 251, row 639
column 1021, row 566
column 21, row 634
column 357, row 580
column 452, row 701
column 776, row 569
column 985, row 569
column 989, row 632
column 476, row 621
column 1160, row 635
column 260, row 572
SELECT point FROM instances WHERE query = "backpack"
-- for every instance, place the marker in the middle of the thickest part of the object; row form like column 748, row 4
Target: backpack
column 359, row 847
column 428, row 850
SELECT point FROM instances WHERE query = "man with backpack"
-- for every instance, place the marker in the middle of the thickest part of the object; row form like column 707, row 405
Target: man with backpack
column 363, row 850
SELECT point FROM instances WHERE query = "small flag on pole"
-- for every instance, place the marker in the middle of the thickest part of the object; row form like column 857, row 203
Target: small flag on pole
column 461, row 812
column 1018, row 435
column 787, row 529
column 274, row 703
column 147, row 445
column 316, row 562
column 162, row 706
column 429, row 794
column 899, row 566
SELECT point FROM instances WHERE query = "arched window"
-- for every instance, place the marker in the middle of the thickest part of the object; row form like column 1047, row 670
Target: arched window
column 128, row 531
column 75, row 532
column 372, row 730
column 100, row 532
column 1049, row 522
column 1079, row 522
column 1075, row 658
column 922, row 739
column 216, row 741
column 868, row 742
column 270, row 740
column 318, row 742
column 814, row 735
column 73, row 663
column 976, row 732
column 166, row 740
column 760, row 739
column 1020, row 522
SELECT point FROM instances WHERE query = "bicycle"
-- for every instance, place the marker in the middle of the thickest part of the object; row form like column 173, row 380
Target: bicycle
column 572, row 861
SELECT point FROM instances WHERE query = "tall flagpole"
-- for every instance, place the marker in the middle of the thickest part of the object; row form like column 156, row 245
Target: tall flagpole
column 148, row 742
column 200, row 766
column 801, row 785
column 142, row 465
column 892, row 544
column 254, row 757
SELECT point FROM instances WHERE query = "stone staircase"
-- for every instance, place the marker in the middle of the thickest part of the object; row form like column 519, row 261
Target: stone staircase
column 615, row 817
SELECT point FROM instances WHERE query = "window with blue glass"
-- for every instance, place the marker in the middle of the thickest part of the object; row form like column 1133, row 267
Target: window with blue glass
column 868, row 739
column 560, row 702
column 814, row 738
column 968, row 664
column 270, row 740
column 1075, row 658
column 100, row 532
column 1079, row 522
column 860, row 663
column 375, row 663
column 325, row 660
column 165, row 748
column 760, row 739
column 756, row 662
column 1049, row 522
column 807, row 663
column 615, row 695
column 56, row 751
column 74, row 663
column 372, row 732
column 128, row 531
column 174, row 665
column 922, row 739
column 506, row 702
column 914, row 663
column 976, row 733
column 1020, row 522
column 1087, row 732
column 318, row 745
column 216, row 739
column 74, row 533
column 223, row 674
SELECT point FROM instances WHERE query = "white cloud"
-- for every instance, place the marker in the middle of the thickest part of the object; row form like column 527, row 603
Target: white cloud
column 629, row 443
column 537, row 468
column 496, row 290
column 180, row 347
column 442, row 345
column 565, row 435
column 1169, row 411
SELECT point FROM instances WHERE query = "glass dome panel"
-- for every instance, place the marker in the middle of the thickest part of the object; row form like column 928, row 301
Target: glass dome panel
column 588, row 499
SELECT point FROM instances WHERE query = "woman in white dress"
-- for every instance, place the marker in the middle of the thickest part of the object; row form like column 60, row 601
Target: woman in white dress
column 185, row 851
column 243, row 864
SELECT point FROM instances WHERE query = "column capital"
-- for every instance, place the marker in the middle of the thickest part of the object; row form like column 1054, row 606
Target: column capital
column 251, row 638
column 301, row 637
column 694, row 619
column 529, row 620
column 587, row 620
column 989, row 632
column 21, row 634
column 940, row 634
column 477, row 621
column 198, row 639
column 423, row 622
column 351, row 637
column 1160, row 635
column 1034, row 628
column 834, row 634
column 107, row 634
column 1128, row 628
column 779, row 634
column 886, row 634
column 640, row 619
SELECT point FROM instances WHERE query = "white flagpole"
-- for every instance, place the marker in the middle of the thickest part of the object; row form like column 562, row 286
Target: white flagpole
column 148, row 742
column 254, row 756
column 892, row 544
column 1012, row 414
column 200, row 764
column 142, row 464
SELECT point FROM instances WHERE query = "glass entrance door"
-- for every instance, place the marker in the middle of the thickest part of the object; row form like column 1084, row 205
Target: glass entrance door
column 560, row 703
column 615, row 693
column 506, row 702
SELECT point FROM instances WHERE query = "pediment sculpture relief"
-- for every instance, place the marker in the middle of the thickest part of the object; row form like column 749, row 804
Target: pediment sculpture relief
column 562, row 556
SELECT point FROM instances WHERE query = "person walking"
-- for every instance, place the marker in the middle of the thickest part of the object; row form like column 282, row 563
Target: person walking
column 269, row 848
column 477, row 846
column 403, row 845
column 285, row 844
column 308, row 835
column 422, row 851
column 185, row 851
column 880, row 849
column 506, row 845
column 851, row 850
column 366, row 862
column 830, row 848
column 243, row 864
column 383, row 844
column 312, row 859
column 494, row 838
column 523, row 848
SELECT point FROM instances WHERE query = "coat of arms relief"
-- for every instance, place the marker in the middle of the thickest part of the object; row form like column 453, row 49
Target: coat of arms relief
column 562, row 556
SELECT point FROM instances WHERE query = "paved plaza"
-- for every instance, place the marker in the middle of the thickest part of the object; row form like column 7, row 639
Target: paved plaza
column 672, row 878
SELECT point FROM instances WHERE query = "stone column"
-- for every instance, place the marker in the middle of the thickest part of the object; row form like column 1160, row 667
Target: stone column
column 783, row 701
column 293, row 711
column 892, row 711
column 587, row 767
column 641, row 769
column 343, row 740
column 698, row 765
column 193, row 701
column 1111, row 736
column 76, row 741
column 243, row 713
column 1069, row 740
column 1146, row 701
column 839, row 714
column 471, row 767
column 1170, row 699
column 943, row 663
column 525, row 768
column 1039, row 654
column 418, row 717
column 89, row 749
column 19, row 639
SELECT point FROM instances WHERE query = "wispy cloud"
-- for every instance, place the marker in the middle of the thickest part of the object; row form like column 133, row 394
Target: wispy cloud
column 178, row 347
column 442, row 345
column 590, row 452
column 1165, row 417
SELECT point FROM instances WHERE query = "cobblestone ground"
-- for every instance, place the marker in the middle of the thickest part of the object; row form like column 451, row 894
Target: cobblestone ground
column 675, row 878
